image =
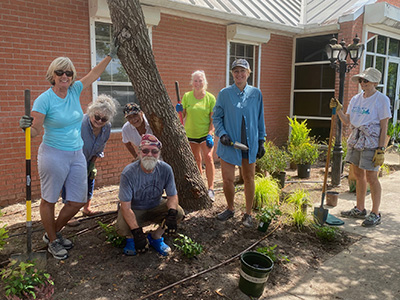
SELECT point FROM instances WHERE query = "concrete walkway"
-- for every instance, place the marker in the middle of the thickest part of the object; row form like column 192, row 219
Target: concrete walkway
column 370, row 268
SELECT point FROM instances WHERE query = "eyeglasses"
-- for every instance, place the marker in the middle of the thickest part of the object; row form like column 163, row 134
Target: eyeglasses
column 363, row 80
column 147, row 151
column 61, row 73
column 98, row 118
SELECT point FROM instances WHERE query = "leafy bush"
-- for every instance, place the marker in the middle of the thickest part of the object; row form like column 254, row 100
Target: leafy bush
column 274, row 161
column 23, row 280
column 270, row 252
column 394, row 131
column 267, row 214
column 112, row 236
column 189, row 247
column 327, row 233
column 305, row 153
column 267, row 192
column 3, row 234
column 299, row 132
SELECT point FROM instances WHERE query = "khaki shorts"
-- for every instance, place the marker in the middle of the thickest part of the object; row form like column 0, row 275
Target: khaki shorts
column 362, row 159
column 146, row 217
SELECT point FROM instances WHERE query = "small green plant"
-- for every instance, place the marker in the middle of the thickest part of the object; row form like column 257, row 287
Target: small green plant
column 393, row 131
column 299, row 133
column 24, row 281
column 112, row 236
column 267, row 214
column 300, row 218
column 188, row 247
column 327, row 233
column 300, row 198
column 305, row 153
column 3, row 234
column 267, row 192
column 384, row 170
column 274, row 161
column 270, row 252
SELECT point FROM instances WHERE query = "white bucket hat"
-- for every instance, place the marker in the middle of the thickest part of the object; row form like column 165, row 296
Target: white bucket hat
column 370, row 74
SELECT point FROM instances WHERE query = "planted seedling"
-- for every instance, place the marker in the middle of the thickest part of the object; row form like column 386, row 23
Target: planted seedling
column 112, row 236
column 270, row 252
column 327, row 233
column 188, row 247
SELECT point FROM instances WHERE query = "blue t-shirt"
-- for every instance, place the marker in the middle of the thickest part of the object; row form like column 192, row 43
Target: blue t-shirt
column 145, row 189
column 94, row 145
column 63, row 118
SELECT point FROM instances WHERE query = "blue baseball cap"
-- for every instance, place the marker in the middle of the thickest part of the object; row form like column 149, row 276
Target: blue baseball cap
column 240, row 62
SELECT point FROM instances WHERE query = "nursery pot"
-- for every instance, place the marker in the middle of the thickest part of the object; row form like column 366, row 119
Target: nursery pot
column 254, row 272
column 280, row 176
column 263, row 226
column 303, row 171
column 332, row 198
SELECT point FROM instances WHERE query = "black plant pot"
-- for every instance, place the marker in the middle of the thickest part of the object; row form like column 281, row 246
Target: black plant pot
column 280, row 176
column 303, row 171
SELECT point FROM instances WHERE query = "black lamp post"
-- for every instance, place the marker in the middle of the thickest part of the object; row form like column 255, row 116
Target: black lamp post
column 338, row 54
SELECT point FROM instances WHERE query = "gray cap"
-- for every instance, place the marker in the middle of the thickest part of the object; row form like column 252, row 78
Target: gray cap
column 240, row 62
column 370, row 74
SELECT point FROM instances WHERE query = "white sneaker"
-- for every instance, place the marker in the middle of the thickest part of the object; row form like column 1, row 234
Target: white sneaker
column 211, row 194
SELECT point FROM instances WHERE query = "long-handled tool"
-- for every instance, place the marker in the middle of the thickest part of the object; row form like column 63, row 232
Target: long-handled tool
column 320, row 213
column 40, row 258
column 179, row 100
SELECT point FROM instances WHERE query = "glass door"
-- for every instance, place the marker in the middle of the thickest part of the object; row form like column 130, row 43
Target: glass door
column 393, row 86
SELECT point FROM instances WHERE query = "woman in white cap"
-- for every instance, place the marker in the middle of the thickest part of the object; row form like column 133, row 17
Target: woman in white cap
column 368, row 114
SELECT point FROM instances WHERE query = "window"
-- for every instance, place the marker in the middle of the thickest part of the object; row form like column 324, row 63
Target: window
column 114, row 81
column 237, row 50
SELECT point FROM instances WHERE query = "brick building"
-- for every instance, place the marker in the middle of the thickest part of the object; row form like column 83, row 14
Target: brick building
column 283, row 41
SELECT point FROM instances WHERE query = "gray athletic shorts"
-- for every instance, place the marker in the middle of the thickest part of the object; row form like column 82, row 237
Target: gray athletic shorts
column 362, row 159
column 57, row 168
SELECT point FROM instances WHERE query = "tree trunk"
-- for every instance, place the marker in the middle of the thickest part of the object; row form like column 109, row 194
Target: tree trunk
column 137, row 58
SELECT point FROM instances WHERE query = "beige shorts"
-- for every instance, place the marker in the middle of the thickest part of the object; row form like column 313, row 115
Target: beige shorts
column 146, row 217
column 362, row 159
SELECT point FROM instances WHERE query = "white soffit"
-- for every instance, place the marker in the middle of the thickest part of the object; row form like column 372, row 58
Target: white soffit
column 238, row 32
column 99, row 9
column 384, row 16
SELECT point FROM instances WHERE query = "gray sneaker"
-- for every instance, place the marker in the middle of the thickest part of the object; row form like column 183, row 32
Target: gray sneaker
column 225, row 215
column 354, row 213
column 247, row 221
column 57, row 250
column 211, row 194
column 66, row 243
column 372, row 219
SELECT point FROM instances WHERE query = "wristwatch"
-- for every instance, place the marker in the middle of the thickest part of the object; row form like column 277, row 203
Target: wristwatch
column 381, row 148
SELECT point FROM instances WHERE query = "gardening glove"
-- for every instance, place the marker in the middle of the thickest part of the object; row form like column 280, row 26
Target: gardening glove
column 261, row 149
column 140, row 240
column 92, row 171
column 209, row 141
column 114, row 49
column 226, row 140
column 171, row 222
column 379, row 157
column 335, row 103
column 25, row 122
column 179, row 108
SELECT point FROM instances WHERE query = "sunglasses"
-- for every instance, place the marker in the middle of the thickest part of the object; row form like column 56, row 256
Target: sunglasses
column 98, row 118
column 362, row 80
column 153, row 151
column 61, row 73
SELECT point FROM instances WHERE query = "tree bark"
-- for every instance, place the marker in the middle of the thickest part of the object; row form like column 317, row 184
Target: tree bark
column 137, row 58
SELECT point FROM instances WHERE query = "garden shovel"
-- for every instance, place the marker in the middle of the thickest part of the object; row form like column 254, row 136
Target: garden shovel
column 321, row 213
column 39, row 258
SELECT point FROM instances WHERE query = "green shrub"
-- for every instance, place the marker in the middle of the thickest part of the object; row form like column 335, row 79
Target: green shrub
column 112, row 236
column 23, row 280
column 270, row 252
column 299, row 133
column 267, row 192
column 327, row 233
column 188, row 247
column 274, row 161
column 267, row 214
column 305, row 153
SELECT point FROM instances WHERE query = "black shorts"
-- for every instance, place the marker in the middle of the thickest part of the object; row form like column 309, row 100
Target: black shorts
column 198, row 141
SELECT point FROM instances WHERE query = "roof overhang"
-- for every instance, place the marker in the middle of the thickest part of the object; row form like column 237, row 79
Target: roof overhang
column 383, row 16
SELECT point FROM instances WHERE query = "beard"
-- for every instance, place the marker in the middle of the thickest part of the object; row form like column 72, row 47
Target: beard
column 149, row 163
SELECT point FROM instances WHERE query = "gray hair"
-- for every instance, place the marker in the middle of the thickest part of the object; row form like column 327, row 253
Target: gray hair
column 105, row 105
column 60, row 63
column 201, row 73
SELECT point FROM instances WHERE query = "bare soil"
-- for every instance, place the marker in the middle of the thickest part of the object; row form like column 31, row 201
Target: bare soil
column 97, row 270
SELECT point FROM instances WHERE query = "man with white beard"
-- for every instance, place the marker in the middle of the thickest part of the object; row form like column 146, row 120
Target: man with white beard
column 141, row 203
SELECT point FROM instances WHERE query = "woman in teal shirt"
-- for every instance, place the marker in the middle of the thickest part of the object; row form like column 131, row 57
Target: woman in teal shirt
column 239, row 117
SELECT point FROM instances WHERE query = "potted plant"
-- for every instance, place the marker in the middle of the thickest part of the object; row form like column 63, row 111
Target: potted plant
column 299, row 134
column 265, row 215
column 304, row 155
column 274, row 162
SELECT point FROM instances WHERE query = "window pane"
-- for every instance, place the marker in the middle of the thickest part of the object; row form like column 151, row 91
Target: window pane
column 391, row 82
column 393, row 47
column 380, row 65
column 314, row 77
column 123, row 94
column 369, row 61
column 381, row 45
column 312, row 104
column 371, row 45
column 312, row 48
column 242, row 51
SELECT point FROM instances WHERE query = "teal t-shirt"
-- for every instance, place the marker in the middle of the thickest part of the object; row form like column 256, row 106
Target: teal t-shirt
column 63, row 118
column 198, row 114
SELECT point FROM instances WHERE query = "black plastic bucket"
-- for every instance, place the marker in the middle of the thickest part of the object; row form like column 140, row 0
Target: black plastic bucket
column 304, row 171
column 254, row 272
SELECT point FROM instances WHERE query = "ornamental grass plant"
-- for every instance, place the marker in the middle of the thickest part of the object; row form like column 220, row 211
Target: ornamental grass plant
column 267, row 192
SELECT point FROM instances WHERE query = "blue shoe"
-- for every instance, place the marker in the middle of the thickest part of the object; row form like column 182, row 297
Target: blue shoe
column 130, row 247
column 159, row 245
